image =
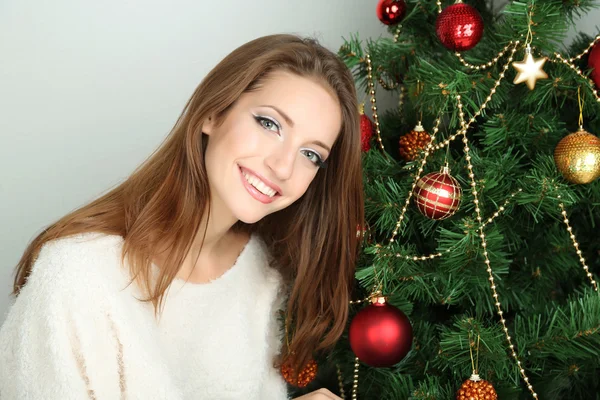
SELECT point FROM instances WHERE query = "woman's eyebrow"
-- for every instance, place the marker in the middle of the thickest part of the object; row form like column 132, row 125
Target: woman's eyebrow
column 291, row 123
column 284, row 115
column 323, row 145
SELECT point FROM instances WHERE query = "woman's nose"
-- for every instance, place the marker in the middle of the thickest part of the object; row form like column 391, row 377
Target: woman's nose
column 281, row 161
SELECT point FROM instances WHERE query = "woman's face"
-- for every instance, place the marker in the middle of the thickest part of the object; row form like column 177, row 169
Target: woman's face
column 270, row 146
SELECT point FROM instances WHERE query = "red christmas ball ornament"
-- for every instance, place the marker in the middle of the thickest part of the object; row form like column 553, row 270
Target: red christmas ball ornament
column 594, row 63
column 390, row 12
column 380, row 334
column 438, row 194
column 366, row 130
column 459, row 27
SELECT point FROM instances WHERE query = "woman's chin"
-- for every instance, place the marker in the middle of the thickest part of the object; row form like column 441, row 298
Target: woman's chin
column 249, row 217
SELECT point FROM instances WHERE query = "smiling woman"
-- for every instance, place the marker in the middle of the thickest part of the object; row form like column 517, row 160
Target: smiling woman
column 271, row 154
column 250, row 207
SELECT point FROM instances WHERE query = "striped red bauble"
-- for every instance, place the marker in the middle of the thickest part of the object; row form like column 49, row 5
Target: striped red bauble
column 438, row 195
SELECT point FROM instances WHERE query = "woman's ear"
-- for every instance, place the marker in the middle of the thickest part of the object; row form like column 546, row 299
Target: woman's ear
column 208, row 126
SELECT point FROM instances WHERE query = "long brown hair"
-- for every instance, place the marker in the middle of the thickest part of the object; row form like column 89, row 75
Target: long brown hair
column 313, row 242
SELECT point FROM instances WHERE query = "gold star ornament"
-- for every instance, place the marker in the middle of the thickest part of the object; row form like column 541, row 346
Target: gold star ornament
column 529, row 70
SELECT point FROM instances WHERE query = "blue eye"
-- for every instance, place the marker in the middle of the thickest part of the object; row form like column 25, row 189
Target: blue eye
column 268, row 123
column 314, row 157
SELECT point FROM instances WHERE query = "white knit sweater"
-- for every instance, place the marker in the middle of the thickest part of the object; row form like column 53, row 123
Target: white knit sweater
column 77, row 331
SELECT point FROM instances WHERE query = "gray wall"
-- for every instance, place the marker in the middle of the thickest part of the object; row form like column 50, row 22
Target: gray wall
column 589, row 23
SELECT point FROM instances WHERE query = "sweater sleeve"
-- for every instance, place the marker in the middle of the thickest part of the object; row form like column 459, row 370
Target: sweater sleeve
column 56, row 342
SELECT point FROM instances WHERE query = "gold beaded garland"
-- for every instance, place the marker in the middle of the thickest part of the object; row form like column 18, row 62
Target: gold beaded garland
column 586, row 269
column 487, row 64
column 592, row 87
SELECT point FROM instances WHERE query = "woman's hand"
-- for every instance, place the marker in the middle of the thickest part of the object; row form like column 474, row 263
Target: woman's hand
column 321, row 394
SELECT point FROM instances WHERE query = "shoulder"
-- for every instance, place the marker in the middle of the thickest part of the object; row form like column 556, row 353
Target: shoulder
column 73, row 278
column 87, row 261
column 80, row 246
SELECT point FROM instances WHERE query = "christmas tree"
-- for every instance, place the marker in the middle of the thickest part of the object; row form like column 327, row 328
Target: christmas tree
column 483, row 206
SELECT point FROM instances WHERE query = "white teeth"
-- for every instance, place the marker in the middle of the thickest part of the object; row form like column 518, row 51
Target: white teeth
column 259, row 185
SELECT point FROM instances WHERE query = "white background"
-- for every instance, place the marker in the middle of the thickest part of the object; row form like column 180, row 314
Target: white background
column 88, row 89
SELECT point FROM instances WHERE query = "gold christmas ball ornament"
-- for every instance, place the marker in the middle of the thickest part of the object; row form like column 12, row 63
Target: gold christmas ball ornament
column 577, row 157
column 476, row 388
column 413, row 142
column 301, row 379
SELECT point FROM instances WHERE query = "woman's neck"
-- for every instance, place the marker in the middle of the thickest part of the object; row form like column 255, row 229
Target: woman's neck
column 215, row 246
